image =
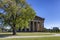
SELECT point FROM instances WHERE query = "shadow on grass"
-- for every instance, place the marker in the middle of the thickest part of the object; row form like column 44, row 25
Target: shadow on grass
column 5, row 35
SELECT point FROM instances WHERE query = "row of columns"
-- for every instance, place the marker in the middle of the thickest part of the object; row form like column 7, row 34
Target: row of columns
column 34, row 26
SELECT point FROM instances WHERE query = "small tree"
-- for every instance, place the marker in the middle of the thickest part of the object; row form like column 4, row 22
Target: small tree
column 17, row 13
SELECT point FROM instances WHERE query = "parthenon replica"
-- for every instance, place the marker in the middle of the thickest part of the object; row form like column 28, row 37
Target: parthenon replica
column 37, row 24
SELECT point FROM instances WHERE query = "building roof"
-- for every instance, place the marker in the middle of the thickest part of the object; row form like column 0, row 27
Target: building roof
column 39, row 17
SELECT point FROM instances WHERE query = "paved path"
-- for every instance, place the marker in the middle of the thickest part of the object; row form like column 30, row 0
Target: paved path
column 30, row 36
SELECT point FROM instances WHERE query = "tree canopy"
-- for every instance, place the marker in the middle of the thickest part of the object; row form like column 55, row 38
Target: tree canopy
column 16, row 13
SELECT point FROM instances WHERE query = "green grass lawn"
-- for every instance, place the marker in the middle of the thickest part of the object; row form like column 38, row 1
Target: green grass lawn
column 26, row 34
column 45, row 38
column 32, row 34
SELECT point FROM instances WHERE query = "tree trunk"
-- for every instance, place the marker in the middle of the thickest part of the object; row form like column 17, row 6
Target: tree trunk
column 14, row 30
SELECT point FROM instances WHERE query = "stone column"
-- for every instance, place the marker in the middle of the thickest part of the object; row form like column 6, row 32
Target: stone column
column 37, row 26
column 33, row 26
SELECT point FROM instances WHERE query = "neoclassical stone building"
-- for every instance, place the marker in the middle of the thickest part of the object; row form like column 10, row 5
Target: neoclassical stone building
column 35, row 25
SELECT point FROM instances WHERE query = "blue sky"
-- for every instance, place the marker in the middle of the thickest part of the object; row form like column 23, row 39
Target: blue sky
column 48, row 9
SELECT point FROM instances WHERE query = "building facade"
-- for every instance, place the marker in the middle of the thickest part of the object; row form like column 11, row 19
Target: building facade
column 37, row 24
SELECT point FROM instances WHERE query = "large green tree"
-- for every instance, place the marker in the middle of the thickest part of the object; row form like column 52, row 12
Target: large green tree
column 17, row 13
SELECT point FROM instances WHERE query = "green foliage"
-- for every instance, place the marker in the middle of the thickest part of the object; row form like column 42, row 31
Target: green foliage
column 18, row 13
